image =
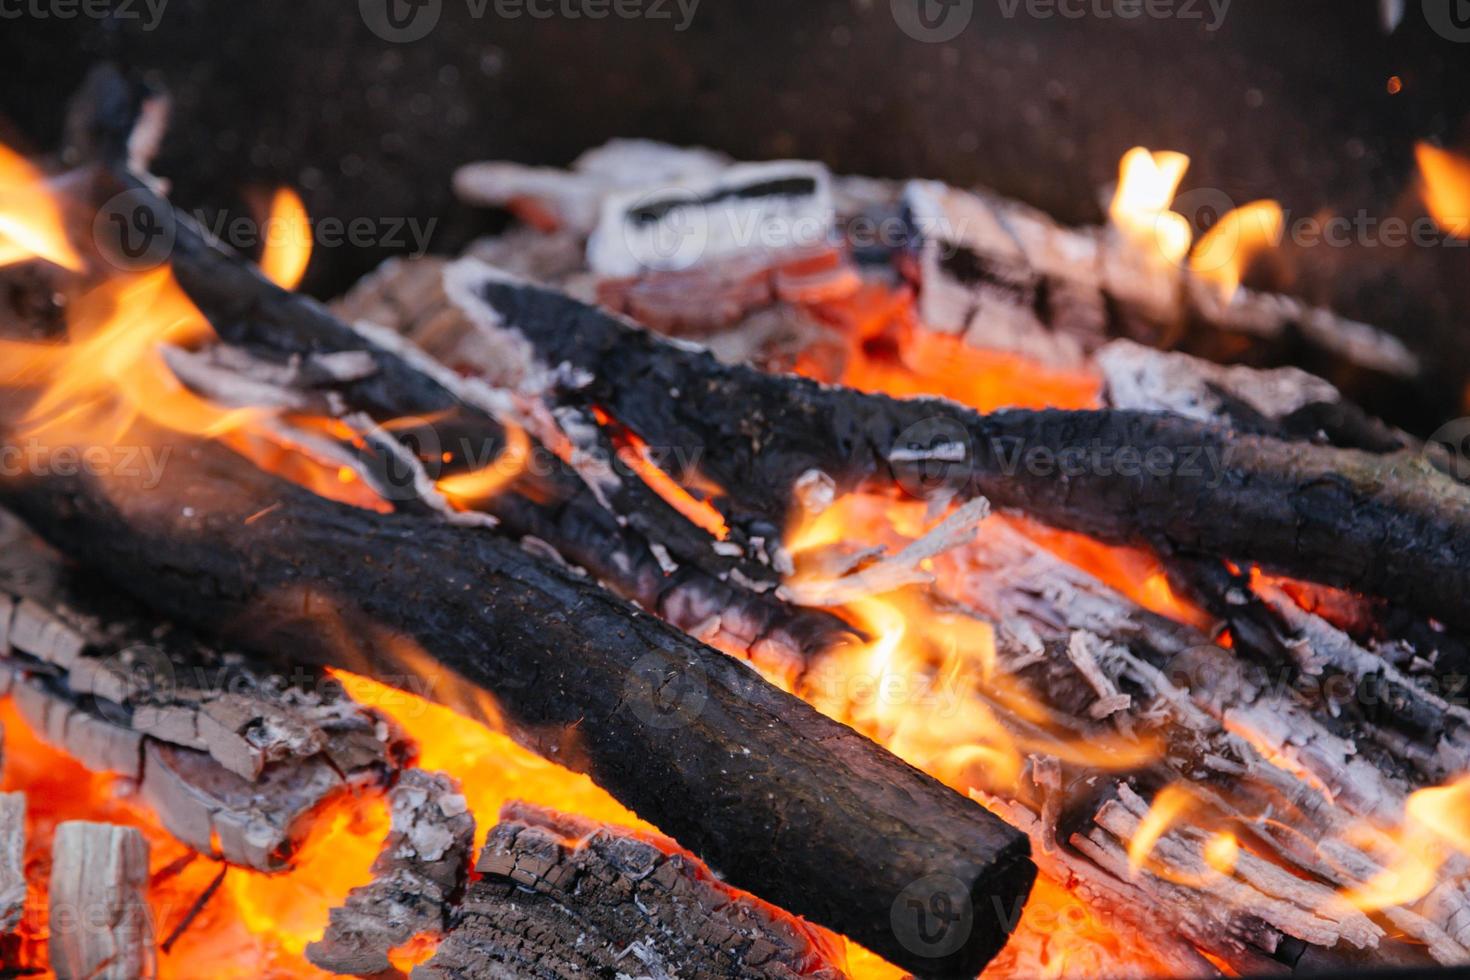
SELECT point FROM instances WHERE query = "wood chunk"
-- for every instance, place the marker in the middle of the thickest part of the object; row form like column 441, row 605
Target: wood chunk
column 760, row 209
column 41, row 633
column 606, row 903
column 100, row 924
column 12, row 860
column 416, row 878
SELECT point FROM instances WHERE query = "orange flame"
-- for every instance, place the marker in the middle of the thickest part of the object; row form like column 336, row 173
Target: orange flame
column 111, row 372
column 634, row 453
column 1446, row 188
column 1147, row 183
column 1224, row 253
column 30, row 220
column 1436, row 827
column 465, row 490
column 288, row 243
column 1171, row 803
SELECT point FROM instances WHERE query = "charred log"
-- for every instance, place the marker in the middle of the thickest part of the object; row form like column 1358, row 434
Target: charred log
column 783, row 801
column 561, row 897
column 1383, row 525
column 234, row 759
column 12, row 861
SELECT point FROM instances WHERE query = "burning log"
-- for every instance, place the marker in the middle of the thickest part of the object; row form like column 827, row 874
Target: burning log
column 1383, row 525
column 101, row 928
column 563, row 897
column 416, row 879
column 234, row 760
column 290, row 351
column 1007, row 276
column 784, row 802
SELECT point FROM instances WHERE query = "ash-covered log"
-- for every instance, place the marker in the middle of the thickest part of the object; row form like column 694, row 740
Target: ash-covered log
column 417, row 878
column 12, row 861
column 100, row 925
column 561, row 897
column 784, row 802
column 234, row 759
column 1386, row 525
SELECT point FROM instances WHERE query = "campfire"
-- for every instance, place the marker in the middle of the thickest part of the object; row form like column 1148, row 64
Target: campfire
column 730, row 569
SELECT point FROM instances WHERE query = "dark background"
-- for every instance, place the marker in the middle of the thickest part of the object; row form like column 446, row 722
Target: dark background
column 1288, row 99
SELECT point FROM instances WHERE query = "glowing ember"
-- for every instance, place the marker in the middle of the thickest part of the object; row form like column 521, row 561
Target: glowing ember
column 288, row 240
column 634, row 453
column 1446, row 188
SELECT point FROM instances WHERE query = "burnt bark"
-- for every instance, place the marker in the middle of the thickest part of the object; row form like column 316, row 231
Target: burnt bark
column 726, row 593
column 1386, row 525
column 562, row 898
column 781, row 800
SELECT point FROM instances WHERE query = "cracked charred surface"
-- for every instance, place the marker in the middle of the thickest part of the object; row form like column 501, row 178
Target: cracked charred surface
column 784, row 802
column 1387, row 525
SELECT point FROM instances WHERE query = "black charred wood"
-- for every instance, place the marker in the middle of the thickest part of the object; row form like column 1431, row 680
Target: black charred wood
column 783, row 801
column 1385, row 525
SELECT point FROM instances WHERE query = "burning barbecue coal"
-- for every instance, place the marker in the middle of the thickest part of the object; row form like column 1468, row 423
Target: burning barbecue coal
column 470, row 628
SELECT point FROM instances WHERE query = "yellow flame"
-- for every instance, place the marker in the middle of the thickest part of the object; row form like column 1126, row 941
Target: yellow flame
column 1171, row 803
column 1436, row 824
column 1147, row 183
column 111, row 372
column 1446, row 188
column 287, row 249
column 1222, row 851
column 1225, row 251
column 30, row 220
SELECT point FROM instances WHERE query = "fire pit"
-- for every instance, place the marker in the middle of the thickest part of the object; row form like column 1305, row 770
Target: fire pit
column 725, row 568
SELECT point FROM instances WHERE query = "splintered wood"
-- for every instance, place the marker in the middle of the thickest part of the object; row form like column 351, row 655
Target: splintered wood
column 100, row 924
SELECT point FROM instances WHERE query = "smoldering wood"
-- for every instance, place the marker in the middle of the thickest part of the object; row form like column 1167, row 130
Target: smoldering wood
column 100, row 924
column 707, row 591
column 12, row 861
column 1006, row 276
column 1380, row 524
column 784, row 802
column 560, row 897
column 233, row 758
column 417, row 878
